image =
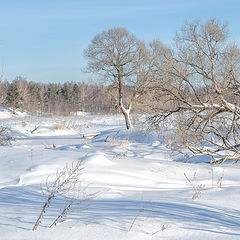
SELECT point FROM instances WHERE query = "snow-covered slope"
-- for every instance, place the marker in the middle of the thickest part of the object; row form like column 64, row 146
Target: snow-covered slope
column 6, row 113
column 143, row 190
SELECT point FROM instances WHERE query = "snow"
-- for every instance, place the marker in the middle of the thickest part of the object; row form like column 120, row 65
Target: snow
column 144, row 191
column 6, row 113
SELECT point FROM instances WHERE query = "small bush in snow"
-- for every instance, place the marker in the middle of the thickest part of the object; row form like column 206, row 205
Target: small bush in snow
column 5, row 137
column 59, row 126
column 67, row 183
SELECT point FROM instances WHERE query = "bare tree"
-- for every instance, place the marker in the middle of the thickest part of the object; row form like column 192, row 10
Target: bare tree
column 121, row 60
column 200, row 87
column 3, row 91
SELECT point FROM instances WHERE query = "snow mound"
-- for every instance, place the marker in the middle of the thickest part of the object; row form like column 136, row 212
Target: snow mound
column 138, row 135
column 98, row 159
column 37, row 174
column 6, row 113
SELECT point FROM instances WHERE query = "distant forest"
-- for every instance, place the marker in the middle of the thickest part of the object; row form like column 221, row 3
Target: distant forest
column 55, row 98
column 59, row 99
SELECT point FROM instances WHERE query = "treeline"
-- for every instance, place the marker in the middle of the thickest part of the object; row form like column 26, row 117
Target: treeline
column 55, row 99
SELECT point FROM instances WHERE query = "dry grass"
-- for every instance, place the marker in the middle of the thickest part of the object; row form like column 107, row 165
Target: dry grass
column 59, row 126
column 198, row 189
column 67, row 182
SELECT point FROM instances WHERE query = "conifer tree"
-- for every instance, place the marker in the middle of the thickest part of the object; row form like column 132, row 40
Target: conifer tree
column 14, row 98
column 36, row 96
column 76, row 94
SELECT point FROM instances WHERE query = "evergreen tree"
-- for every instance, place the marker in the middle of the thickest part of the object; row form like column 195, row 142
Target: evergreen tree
column 51, row 97
column 14, row 98
column 76, row 94
column 36, row 96
column 66, row 92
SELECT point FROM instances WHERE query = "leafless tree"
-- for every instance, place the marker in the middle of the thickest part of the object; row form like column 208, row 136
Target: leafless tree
column 3, row 92
column 200, row 87
column 121, row 60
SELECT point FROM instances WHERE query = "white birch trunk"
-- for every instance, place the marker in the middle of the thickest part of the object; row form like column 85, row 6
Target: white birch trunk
column 126, row 114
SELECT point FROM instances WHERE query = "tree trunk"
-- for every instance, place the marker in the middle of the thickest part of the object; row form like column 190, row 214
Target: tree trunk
column 127, row 118
column 126, row 112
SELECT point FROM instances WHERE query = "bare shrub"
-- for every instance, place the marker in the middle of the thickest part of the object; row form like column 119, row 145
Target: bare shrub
column 6, row 136
column 199, row 83
column 66, row 183
column 59, row 126
column 135, row 218
column 198, row 188
column 163, row 228
column 75, row 124
column 219, row 180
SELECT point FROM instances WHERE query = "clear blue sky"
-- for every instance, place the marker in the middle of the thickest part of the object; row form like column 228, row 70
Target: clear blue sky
column 43, row 40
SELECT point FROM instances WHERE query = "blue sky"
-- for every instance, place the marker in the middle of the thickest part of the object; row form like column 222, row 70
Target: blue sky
column 43, row 40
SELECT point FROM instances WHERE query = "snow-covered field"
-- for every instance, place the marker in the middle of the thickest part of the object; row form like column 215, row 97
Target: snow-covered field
column 143, row 190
